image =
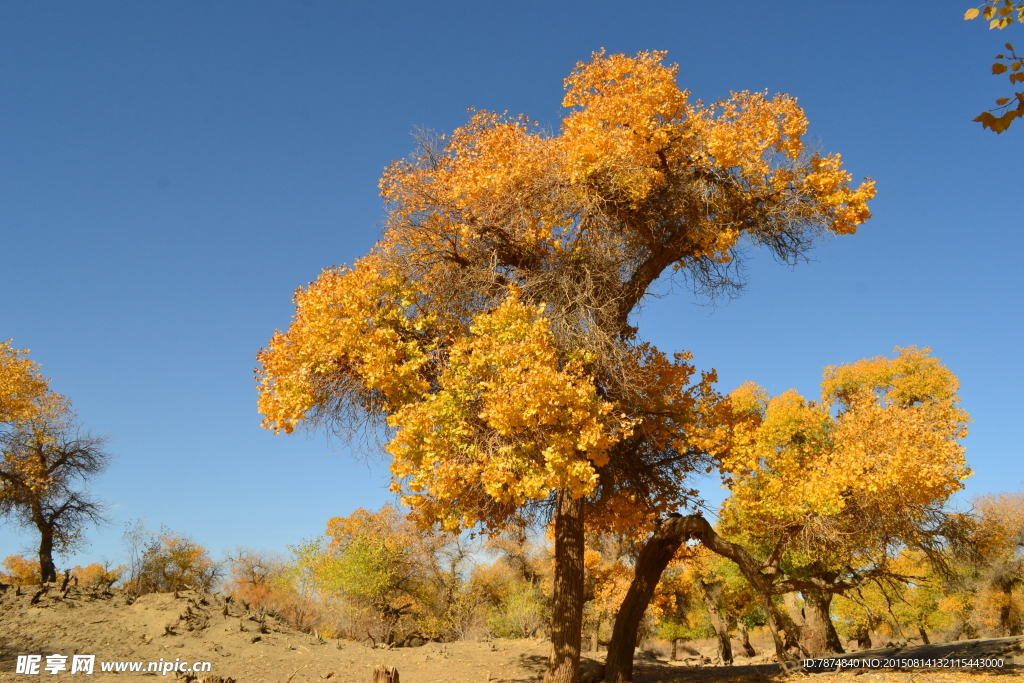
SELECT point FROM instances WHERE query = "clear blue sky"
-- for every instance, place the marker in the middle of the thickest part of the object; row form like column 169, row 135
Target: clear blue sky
column 171, row 171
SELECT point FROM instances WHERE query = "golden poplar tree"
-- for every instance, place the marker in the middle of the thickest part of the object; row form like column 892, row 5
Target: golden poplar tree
column 822, row 493
column 998, row 598
column 828, row 492
column 490, row 328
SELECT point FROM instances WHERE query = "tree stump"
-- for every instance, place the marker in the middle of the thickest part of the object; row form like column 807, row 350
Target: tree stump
column 385, row 674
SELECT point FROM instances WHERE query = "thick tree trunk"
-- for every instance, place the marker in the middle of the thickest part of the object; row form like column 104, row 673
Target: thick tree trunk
column 675, row 650
column 567, row 617
column 865, row 642
column 794, row 609
column 1006, row 586
column 863, row 637
column 924, row 635
column 711, row 594
column 748, row 649
column 655, row 556
column 47, row 569
column 819, row 634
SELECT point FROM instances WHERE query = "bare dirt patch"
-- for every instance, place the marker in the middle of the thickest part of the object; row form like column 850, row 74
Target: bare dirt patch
column 250, row 647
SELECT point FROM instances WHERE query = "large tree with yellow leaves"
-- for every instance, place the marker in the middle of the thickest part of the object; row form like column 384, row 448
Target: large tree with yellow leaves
column 834, row 488
column 824, row 495
column 489, row 329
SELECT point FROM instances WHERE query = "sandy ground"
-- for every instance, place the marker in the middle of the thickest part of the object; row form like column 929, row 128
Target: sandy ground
column 193, row 627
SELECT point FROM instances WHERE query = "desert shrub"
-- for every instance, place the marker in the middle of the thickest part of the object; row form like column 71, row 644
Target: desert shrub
column 21, row 571
column 502, row 600
column 386, row 577
column 520, row 613
column 167, row 561
column 97, row 575
column 692, row 627
column 374, row 574
column 287, row 587
column 254, row 577
column 284, row 587
column 26, row 572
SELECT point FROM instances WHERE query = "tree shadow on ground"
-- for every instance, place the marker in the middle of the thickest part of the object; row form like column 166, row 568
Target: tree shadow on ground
column 536, row 665
column 656, row 671
column 659, row 671
column 646, row 670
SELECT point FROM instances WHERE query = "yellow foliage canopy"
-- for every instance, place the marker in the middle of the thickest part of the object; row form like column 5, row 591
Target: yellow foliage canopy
column 507, row 424
column 869, row 461
column 172, row 561
column 21, row 571
column 22, row 386
column 29, row 414
column 489, row 328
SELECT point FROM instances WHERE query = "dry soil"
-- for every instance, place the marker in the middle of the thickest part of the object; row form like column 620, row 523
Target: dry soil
column 250, row 648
